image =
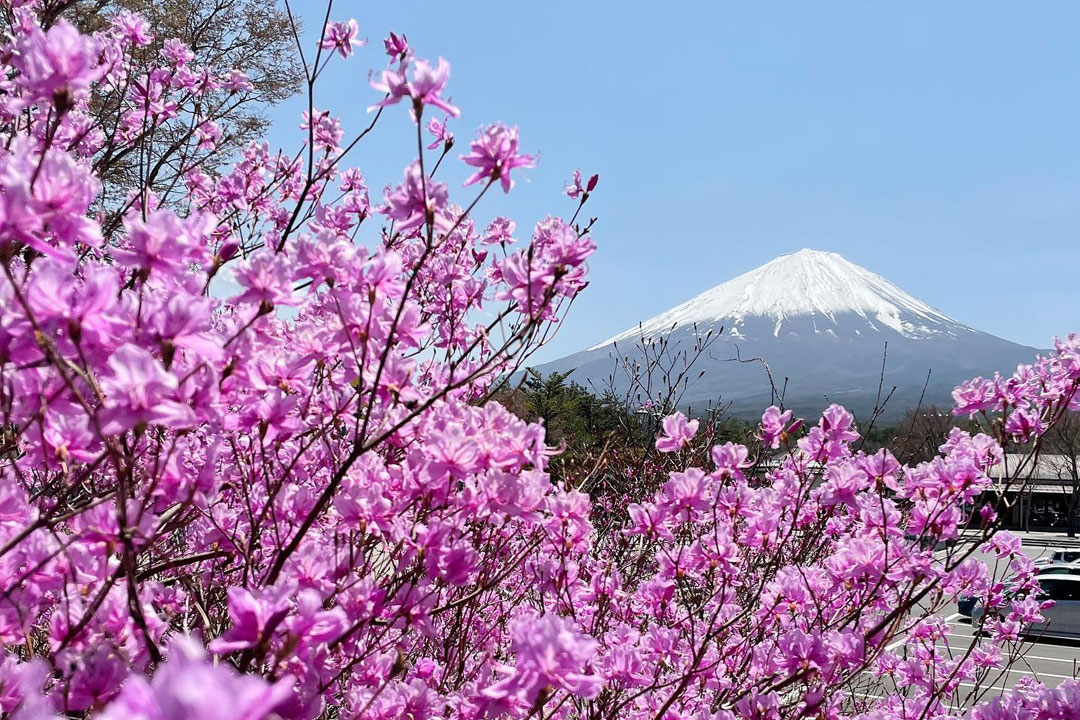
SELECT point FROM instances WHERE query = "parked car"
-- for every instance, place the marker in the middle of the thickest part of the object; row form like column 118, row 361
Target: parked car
column 1058, row 557
column 1058, row 569
column 1060, row 621
column 965, row 604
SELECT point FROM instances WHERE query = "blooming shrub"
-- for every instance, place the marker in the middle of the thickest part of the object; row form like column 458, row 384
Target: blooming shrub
column 211, row 508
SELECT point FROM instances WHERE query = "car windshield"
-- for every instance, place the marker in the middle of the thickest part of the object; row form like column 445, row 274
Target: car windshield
column 1059, row 589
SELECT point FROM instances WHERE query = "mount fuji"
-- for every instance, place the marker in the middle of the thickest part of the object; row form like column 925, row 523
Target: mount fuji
column 820, row 324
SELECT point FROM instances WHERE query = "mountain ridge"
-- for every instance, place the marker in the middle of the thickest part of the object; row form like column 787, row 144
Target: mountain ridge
column 822, row 324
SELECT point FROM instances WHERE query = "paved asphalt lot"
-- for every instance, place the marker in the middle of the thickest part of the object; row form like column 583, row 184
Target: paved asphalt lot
column 1048, row 660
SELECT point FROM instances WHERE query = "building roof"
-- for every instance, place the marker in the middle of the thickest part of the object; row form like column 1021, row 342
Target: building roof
column 1049, row 473
column 1047, row 466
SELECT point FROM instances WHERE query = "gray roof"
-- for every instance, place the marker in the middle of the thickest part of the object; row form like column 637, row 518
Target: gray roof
column 1046, row 474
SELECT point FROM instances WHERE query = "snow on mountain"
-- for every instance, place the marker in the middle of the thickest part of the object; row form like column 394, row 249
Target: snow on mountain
column 806, row 283
column 821, row 323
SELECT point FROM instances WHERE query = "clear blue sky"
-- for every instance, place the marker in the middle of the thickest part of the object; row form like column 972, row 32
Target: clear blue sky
column 937, row 144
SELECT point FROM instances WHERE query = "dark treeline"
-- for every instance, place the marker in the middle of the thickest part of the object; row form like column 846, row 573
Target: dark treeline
column 600, row 431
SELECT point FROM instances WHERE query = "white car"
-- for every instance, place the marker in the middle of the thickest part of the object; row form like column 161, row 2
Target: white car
column 1059, row 557
column 1058, row 569
column 1060, row 621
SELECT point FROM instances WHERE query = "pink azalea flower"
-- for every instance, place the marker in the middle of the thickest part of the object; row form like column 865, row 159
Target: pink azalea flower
column 416, row 199
column 440, row 133
column 58, row 62
column 500, row 231
column 252, row 618
column 133, row 28
column 236, row 81
column 341, row 36
column 397, row 48
column 549, row 653
column 773, row 424
column 677, row 433
column 265, row 279
column 139, row 390
column 495, row 154
column 425, row 88
column 188, row 687
column 176, row 52
column 575, row 189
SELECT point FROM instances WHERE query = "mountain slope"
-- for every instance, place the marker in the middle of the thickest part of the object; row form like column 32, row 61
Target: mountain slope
column 821, row 324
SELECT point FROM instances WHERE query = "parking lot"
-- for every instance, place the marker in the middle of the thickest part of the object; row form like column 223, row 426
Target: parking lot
column 1047, row 660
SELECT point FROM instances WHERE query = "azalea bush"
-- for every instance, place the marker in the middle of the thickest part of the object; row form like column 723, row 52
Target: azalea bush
column 250, row 467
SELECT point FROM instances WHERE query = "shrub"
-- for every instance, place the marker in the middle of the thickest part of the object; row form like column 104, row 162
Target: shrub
column 214, row 508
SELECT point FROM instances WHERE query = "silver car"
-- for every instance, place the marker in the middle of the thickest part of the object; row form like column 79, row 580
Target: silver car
column 1058, row 557
column 1060, row 621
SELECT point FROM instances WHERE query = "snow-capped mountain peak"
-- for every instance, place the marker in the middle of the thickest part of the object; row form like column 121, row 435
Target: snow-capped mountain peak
column 810, row 326
column 820, row 286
